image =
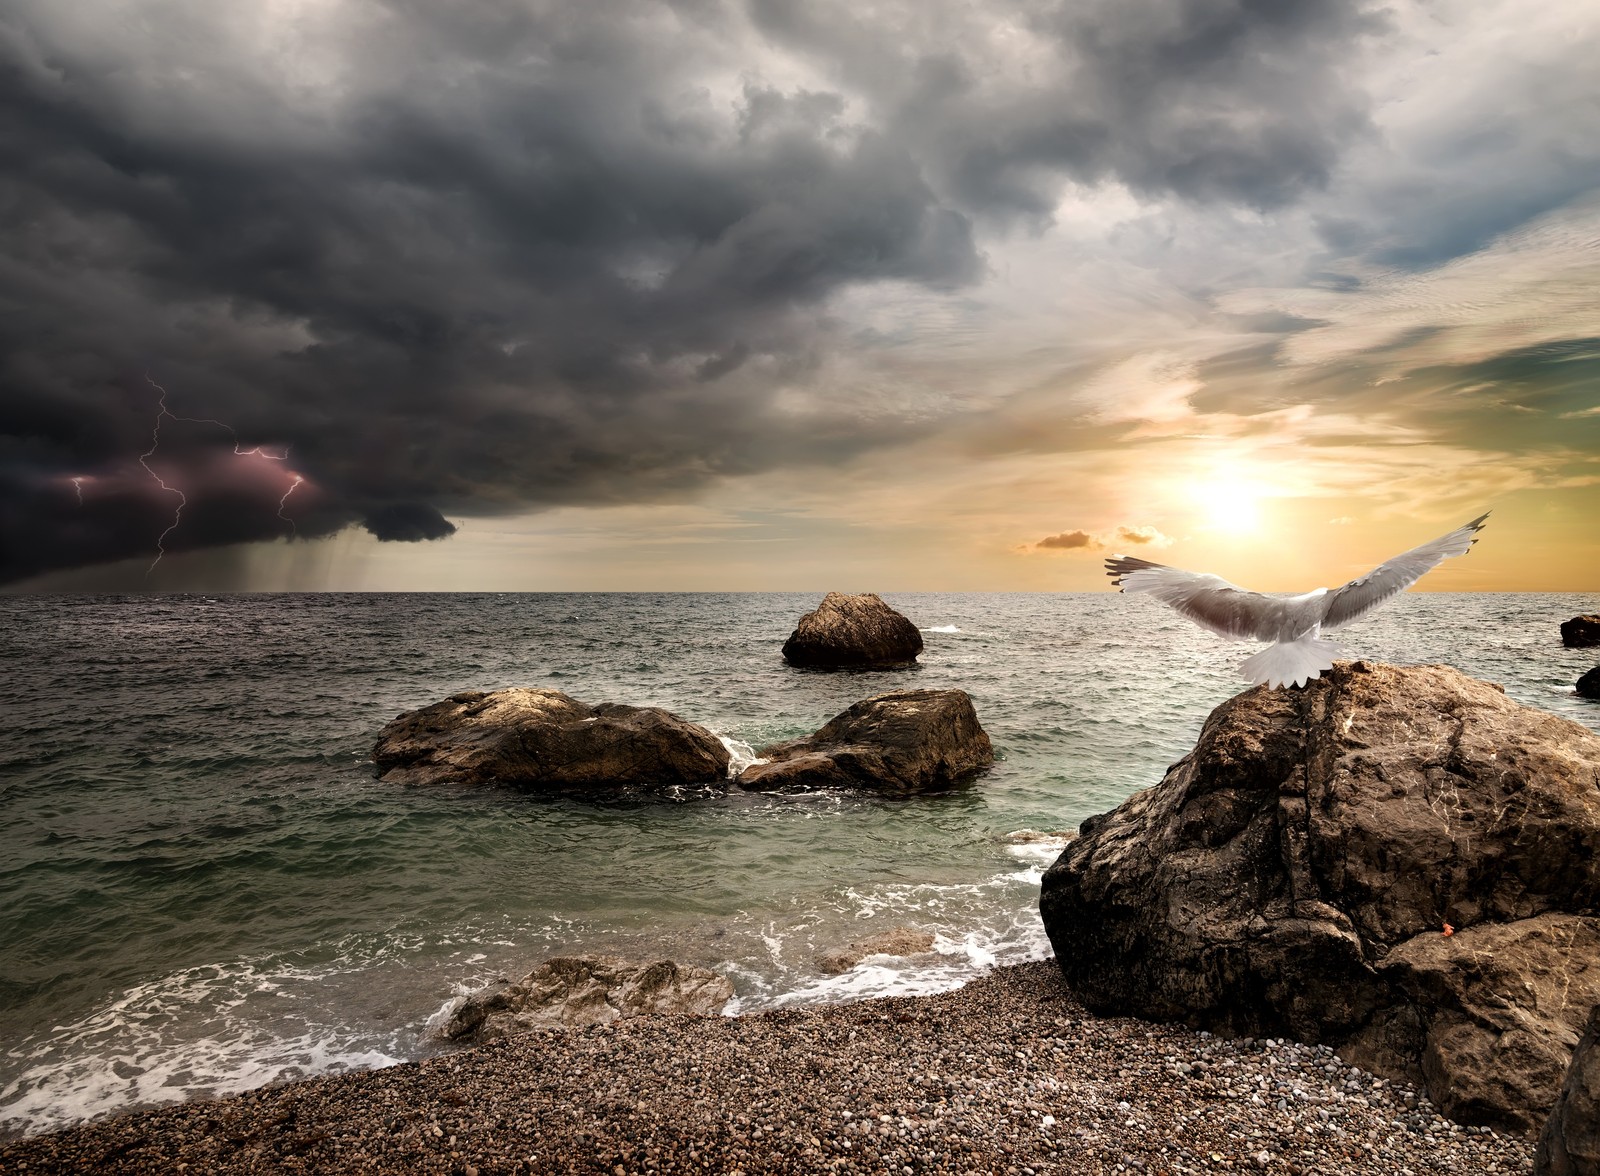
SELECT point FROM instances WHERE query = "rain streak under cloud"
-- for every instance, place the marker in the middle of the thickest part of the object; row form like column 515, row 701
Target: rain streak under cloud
column 606, row 295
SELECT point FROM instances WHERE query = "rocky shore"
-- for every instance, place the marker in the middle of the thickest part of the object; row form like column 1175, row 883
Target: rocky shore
column 1007, row 1075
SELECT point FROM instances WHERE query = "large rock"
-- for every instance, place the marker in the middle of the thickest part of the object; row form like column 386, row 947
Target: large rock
column 542, row 739
column 845, row 631
column 1581, row 631
column 1402, row 863
column 574, row 991
column 1589, row 684
column 904, row 742
column 1570, row 1145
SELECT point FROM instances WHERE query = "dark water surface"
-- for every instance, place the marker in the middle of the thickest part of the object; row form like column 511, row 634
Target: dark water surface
column 204, row 889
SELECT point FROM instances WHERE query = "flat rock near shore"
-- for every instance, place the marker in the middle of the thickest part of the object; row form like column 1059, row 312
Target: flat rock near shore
column 545, row 740
column 901, row 743
column 1007, row 1075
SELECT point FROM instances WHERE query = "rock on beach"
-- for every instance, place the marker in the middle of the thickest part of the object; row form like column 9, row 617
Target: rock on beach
column 1400, row 863
column 1570, row 1142
column 897, row 941
column 544, row 740
column 572, row 991
column 847, row 631
column 901, row 743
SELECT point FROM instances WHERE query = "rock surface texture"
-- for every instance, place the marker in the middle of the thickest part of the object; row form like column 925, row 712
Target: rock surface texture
column 897, row 941
column 845, row 631
column 1589, row 685
column 1570, row 1145
column 1581, row 631
column 900, row 743
column 1401, row 863
column 574, row 991
column 541, row 739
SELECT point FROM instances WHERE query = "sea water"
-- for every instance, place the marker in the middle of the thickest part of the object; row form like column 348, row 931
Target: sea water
column 204, row 888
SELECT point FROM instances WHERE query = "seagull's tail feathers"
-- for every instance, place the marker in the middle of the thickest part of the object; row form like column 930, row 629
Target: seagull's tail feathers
column 1290, row 663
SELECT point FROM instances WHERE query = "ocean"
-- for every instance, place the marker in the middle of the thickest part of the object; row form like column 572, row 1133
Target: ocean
column 204, row 889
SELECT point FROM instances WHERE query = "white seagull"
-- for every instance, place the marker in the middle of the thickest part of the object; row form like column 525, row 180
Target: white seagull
column 1293, row 624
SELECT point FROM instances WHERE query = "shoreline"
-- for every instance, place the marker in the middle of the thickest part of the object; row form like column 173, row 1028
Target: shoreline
column 1008, row 1073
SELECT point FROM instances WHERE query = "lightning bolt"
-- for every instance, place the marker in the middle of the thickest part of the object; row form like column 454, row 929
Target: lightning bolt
column 77, row 484
column 165, row 413
column 284, row 501
column 144, row 460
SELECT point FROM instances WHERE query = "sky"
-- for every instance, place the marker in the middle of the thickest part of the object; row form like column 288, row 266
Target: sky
column 749, row 295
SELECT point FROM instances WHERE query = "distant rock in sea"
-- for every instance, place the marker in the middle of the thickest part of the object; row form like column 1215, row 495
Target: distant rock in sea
column 904, row 742
column 570, row 992
column 897, row 941
column 1589, row 684
column 850, row 632
column 1581, row 632
column 1401, row 863
column 542, row 739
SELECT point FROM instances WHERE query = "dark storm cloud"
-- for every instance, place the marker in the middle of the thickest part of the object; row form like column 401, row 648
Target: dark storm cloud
column 480, row 257
column 407, row 522
column 1246, row 101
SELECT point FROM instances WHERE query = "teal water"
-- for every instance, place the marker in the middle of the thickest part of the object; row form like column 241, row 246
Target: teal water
column 205, row 889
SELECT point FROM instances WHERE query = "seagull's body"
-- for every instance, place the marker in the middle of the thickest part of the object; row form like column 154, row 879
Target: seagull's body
column 1293, row 624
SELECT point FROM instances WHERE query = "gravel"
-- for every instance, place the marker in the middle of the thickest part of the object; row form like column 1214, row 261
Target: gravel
column 1007, row 1075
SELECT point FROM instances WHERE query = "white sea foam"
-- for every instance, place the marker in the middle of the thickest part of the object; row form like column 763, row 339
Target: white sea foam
column 740, row 755
column 975, row 928
column 198, row 1032
column 941, row 629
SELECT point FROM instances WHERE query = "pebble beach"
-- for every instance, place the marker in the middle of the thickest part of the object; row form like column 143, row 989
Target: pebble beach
column 1008, row 1074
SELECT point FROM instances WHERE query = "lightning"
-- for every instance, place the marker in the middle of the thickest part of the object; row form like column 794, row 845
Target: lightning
column 165, row 413
column 144, row 460
column 284, row 501
column 77, row 485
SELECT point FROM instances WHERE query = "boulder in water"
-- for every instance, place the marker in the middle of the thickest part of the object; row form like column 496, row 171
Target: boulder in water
column 1401, row 863
column 542, row 739
column 897, row 941
column 1570, row 1144
column 1589, row 685
column 851, row 631
column 904, row 742
column 574, row 991
column 1580, row 632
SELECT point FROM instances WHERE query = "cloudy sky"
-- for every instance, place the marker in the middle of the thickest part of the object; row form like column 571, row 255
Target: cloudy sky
column 750, row 294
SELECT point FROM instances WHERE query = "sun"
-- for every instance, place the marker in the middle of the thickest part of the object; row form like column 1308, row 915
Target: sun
column 1229, row 505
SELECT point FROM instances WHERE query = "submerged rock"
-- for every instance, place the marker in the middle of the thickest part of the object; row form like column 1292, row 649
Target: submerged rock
column 897, row 941
column 574, row 991
column 1570, row 1144
column 1589, row 685
column 1581, row 631
column 904, row 742
column 848, row 631
column 1401, row 863
column 543, row 739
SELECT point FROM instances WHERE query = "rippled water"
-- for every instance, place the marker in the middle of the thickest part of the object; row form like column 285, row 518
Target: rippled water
column 206, row 890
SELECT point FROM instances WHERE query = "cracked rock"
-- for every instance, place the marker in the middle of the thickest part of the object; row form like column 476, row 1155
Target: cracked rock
column 574, row 991
column 1398, row 862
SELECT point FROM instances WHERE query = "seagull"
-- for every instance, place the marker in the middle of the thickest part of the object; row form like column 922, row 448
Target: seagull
column 1293, row 624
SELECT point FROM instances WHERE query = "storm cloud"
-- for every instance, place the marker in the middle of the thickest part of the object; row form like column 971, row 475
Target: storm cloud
column 397, row 261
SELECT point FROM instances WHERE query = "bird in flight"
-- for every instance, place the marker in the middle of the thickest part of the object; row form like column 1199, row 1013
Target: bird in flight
column 1293, row 624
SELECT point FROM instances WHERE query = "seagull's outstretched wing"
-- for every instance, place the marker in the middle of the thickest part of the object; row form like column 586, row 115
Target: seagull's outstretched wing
column 1393, row 576
column 1207, row 600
